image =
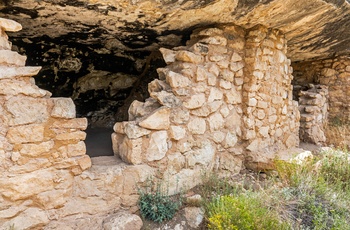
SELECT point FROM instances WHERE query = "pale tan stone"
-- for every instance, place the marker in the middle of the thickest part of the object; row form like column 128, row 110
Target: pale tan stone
column 17, row 87
column 168, row 55
column 197, row 126
column 84, row 162
column 11, row 58
column 216, row 122
column 122, row 221
column 63, row 108
column 10, row 25
column 230, row 140
column 194, row 216
column 236, row 66
column 218, row 136
column 203, row 155
column 233, row 97
column 212, row 79
column 26, row 110
column 213, row 69
column 235, row 57
column 201, row 74
column 214, row 40
column 76, row 123
column 75, row 135
column 133, row 131
column 78, row 149
column 227, row 75
column 195, row 101
column 35, row 150
column 158, row 146
column 215, row 94
column 177, row 80
column 23, row 186
column 225, row 84
column 13, row 71
column 179, row 116
column 187, row 56
column 130, row 150
column 177, row 132
column 157, row 86
column 166, row 99
column 157, row 120
column 139, row 109
column 29, row 219
column 25, row 133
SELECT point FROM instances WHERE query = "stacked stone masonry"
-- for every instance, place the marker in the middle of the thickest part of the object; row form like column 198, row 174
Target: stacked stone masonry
column 223, row 102
column 333, row 73
column 46, row 181
column 313, row 107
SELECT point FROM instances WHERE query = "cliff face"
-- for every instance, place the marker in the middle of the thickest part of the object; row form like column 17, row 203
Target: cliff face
column 313, row 28
column 103, row 53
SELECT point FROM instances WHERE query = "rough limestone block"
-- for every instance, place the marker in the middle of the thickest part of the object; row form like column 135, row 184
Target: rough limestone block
column 63, row 108
column 26, row 133
column 158, row 146
column 187, row 56
column 23, row 186
column 177, row 132
column 12, row 72
column 197, row 126
column 216, row 122
column 233, row 96
column 157, row 120
column 84, row 162
column 130, row 150
column 230, row 140
column 179, row 116
column 75, row 135
column 15, row 87
column 26, row 110
column 215, row 94
column 168, row 55
column 195, row 101
column 10, row 25
column 78, row 149
column 76, row 123
column 133, row 131
column 167, row 99
column 11, row 58
column 201, row 74
column 177, row 80
column 35, row 150
column 122, row 221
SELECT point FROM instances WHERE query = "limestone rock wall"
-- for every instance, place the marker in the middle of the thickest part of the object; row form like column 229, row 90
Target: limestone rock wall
column 313, row 107
column 334, row 73
column 223, row 99
column 41, row 143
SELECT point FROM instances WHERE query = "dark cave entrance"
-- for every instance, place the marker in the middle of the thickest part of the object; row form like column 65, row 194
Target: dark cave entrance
column 102, row 83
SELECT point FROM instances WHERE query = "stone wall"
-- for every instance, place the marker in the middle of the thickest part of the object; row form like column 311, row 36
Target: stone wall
column 222, row 103
column 334, row 73
column 224, row 99
column 313, row 107
column 41, row 142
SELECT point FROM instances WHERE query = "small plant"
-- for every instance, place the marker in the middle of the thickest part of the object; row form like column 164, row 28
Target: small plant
column 157, row 205
column 242, row 212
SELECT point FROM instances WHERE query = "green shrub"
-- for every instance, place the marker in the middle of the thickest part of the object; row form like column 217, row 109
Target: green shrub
column 157, row 205
column 241, row 212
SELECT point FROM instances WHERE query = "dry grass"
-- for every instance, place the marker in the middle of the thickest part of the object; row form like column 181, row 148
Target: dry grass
column 338, row 134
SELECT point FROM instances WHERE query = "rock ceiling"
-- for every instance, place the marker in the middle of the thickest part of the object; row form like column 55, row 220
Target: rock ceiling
column 314, row 28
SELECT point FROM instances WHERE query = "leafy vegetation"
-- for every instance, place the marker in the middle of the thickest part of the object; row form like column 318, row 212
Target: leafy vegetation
column 156, row 204
column 312, row 195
